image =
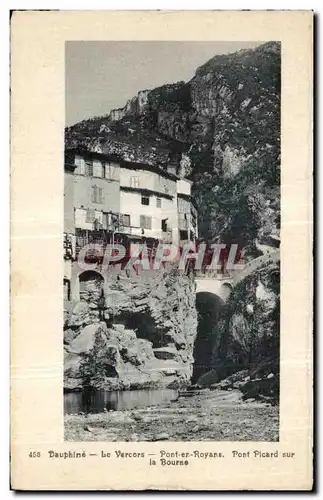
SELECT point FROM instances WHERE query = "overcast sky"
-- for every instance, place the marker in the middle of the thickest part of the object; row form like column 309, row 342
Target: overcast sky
column 101, row 76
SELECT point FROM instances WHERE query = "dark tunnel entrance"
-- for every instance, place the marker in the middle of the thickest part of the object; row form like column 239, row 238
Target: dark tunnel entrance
column 208, row 308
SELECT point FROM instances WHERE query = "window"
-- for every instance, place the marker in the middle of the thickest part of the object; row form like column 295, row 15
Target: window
column 145, row 222
column 158, row 202
column 80, row 165
column 182, row 221
column 125, row 220
column 97, row 169
column 145, row 200
column 134, row 182
column 184, row 206
column 164, row 225
column 90, row 215
column 89, row 168
column 80, row 217
column 109, row 170
column 183, row 235
column 96, row 194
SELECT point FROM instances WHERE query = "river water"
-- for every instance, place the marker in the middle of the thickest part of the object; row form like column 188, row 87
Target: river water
column 98, row 401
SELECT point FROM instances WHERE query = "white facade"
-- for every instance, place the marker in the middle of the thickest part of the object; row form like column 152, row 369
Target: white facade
column 184, row 187
column 150, row 200
column 153, row 206
column 145, row 179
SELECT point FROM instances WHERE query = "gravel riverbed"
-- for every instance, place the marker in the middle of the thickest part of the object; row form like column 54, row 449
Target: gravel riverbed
column 203, row 416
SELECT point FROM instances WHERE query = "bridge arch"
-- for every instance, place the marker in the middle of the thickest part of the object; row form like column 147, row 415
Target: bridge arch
column 208, row 306
column 221, row 288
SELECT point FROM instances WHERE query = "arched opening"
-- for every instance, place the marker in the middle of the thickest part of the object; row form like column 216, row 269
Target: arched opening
column 91, row 286
column 208, row 307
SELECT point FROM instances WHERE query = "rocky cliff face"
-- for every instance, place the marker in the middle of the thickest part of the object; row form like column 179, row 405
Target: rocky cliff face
column 245, row 340
column 135, row 332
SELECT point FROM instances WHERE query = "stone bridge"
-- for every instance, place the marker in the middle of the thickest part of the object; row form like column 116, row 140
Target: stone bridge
column 222, row 285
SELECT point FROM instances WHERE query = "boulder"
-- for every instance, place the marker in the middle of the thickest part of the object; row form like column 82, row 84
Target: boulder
column 85, row 340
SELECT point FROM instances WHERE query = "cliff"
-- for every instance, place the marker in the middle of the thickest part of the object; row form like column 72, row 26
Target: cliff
column 245, row 342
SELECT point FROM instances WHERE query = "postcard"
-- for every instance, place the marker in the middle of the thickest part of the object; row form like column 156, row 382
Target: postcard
column 161, row 250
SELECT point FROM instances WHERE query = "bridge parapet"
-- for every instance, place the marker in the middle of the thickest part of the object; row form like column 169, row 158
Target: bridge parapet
column 222, row 284
column 268, row 259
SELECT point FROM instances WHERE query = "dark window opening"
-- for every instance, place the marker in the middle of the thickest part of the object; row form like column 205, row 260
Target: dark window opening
column 145, row 200
column 164, row 225
column 183, row 235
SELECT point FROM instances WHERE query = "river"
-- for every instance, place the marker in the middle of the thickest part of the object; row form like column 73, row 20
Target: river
column 96, row 401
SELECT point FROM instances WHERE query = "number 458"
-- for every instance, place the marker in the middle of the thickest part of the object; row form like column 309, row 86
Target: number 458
column 34, row 454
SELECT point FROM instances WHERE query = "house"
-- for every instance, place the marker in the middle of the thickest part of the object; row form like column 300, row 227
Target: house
column 125, row 197
column 148, row 200
column 110, row 200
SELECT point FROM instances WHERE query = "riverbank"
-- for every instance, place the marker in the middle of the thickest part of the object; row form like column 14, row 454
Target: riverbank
column 205, row 416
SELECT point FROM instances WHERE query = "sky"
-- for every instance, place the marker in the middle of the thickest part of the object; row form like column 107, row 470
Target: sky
column 101, row 76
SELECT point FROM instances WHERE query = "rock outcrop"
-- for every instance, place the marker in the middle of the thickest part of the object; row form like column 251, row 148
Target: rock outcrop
column 246, row 342
column 141, row 335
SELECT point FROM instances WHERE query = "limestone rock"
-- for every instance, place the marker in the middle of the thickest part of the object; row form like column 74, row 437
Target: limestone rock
column 85, row 340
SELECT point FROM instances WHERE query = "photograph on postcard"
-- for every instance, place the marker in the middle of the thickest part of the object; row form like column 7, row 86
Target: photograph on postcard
column 172, row 241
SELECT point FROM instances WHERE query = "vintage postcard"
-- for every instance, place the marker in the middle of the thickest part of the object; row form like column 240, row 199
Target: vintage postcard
column 161, row 225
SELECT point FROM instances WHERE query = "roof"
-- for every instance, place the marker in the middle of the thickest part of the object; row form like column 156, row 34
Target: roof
column 145, row 191
column 92, row 154
column 134, row 165
column 147, row 166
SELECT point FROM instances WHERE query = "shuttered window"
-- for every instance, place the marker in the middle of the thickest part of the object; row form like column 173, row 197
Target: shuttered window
column 145, row 222
column 89, row 168
column 125, row 220
column 184, row 206
column 97, row 169
column 134, row 182
column 80, row 165
column 90, row 215
column 110, row 170
column 158, row 202
column 97, row 194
